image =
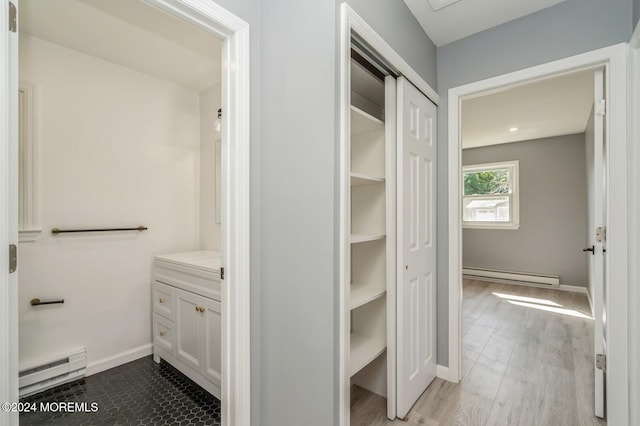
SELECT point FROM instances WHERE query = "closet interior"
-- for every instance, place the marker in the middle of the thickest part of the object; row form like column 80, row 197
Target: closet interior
column 372, row 252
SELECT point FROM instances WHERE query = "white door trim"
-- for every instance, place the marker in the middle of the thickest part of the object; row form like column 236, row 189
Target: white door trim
column 634, row 226
column 234, row 32
column 614, row 59
column 8, row 216
column 351, row 22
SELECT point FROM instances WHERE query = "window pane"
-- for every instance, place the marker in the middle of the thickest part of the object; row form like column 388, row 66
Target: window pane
column 487, row 182
column 486, row 209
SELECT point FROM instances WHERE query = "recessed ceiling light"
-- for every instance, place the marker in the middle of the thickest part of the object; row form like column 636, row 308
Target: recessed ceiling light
column 513, row 129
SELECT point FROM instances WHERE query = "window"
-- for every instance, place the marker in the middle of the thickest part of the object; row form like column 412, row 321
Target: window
column 490, row 196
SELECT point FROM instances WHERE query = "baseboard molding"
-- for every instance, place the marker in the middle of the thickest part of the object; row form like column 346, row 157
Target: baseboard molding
column 561, row 287
column 523, row 277
column 442, row 372
column 119, row 359
column 573, row 288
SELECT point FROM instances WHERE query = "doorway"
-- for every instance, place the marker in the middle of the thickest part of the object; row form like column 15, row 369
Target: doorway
column 613, row 61
column 387, row 313
column 233, row 33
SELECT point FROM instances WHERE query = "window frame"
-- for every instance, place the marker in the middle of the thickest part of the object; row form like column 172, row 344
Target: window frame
column 514, row 196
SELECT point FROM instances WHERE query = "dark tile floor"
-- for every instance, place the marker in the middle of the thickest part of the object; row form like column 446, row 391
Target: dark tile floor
column 138, row 393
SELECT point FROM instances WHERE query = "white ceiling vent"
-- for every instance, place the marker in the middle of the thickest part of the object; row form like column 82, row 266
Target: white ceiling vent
column 439, row 4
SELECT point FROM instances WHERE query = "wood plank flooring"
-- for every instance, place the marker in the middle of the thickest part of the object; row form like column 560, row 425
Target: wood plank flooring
column 527, row 360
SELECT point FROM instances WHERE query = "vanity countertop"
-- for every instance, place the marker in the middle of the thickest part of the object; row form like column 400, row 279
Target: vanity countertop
column 205, row 260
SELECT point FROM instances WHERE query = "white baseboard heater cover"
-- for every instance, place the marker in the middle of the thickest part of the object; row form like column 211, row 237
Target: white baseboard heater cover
column 515, row 277
column 55, row 372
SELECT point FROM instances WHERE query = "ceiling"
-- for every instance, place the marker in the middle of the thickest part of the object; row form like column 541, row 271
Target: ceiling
column 552, row 107
column 445, row 21
column 129, row 33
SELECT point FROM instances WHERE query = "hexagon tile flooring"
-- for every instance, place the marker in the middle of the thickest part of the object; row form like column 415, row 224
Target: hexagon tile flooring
column 138, row 393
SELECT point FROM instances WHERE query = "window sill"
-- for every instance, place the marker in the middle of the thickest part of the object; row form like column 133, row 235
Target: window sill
column 492, row 226
column 28, row 235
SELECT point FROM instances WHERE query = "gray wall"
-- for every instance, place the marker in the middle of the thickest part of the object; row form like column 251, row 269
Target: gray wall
column 553, row 202
column 293, row 195
column 397, row 26
column 636, row 12
column 297, row 260
column 563, row 30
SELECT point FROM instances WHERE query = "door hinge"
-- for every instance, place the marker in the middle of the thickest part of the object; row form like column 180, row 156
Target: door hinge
column 13, row 18
column 601, row 107
column 601, row 362
column 219, row 113
column 222, row 273
column 13, row 258
column 601, row 234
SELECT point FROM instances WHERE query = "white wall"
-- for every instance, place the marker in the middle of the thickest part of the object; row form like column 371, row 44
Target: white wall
column 118, row 148
column 210, row 101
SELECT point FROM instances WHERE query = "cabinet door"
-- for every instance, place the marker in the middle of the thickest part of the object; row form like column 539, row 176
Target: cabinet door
column 212, row 340
column 188, row 317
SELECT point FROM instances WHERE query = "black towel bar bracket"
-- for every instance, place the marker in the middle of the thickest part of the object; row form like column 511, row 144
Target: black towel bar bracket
column 56, row 231
column 37, row 302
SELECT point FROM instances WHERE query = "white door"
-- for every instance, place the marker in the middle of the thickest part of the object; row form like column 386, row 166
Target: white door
column 599, row 220
column 416, row 291
column 8, row 210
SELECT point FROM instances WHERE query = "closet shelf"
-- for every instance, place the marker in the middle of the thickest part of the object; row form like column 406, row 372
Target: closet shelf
column 361, row 238
column 360, row 179
column 362, row 294
column 363, row 122
column 363, row 351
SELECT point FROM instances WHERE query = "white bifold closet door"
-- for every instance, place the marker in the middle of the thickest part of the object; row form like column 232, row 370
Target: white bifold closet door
column 416, row 281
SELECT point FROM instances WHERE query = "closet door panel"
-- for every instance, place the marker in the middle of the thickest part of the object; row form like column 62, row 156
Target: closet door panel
column 416, row 327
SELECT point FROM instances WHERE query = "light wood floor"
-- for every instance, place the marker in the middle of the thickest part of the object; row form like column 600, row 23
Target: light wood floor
column 522, row 364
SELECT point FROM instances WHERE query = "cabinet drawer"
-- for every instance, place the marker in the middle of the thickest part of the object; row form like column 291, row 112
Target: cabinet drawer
column 163, row 333
column 163, row 300
column 202, row 282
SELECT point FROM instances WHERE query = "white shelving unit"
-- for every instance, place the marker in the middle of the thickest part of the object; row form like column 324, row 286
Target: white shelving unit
column 368, row 257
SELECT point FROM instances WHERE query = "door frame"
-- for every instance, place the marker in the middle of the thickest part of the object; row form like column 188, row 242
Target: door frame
column 352, row 23
column 614, row 60
column 8, row 217
column 234, row 33
column 634, row 225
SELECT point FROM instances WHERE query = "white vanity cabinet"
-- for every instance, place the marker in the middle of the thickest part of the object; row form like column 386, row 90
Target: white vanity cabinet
column 187, row 315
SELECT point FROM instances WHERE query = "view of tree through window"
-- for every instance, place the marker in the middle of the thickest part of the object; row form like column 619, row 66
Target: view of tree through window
column 486, row 182
column 490, row 195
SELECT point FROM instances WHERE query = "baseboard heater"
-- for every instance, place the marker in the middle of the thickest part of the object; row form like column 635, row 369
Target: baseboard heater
column 57, row 371
column 526, row 278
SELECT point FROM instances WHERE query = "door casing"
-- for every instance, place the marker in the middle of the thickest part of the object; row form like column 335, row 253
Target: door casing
column 614, row 60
